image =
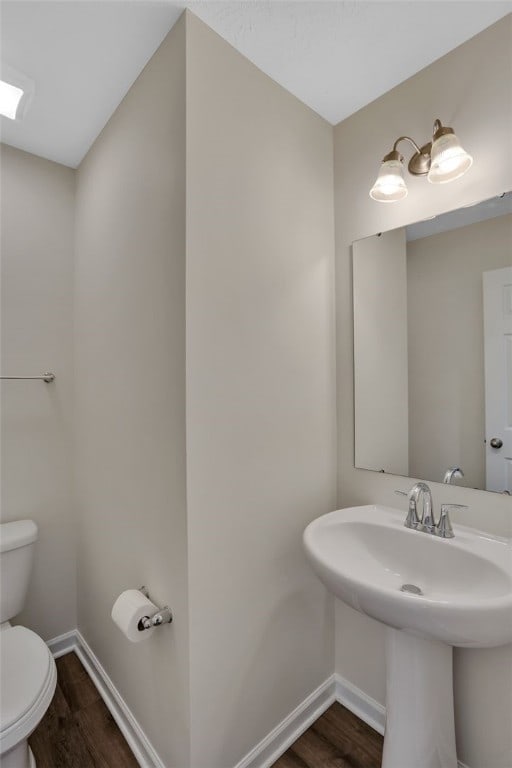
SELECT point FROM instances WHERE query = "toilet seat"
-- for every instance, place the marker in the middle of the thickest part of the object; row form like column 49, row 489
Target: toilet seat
column 29, row 678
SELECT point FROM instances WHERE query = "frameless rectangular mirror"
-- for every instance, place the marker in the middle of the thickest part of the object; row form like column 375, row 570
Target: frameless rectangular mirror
column 433, row 348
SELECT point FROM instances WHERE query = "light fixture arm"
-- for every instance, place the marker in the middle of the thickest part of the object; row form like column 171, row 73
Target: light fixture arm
column 406, row 138
column 419, row 163
column 395, row 154
column 440, row 130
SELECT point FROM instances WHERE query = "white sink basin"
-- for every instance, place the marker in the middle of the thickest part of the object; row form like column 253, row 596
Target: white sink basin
column 365, row 554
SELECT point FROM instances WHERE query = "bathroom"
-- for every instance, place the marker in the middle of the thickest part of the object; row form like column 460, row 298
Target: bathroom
column 185, row 271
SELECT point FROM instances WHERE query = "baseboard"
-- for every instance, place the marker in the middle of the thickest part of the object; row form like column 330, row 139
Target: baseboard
column 262, row 755
column 137, row 740
column 62, row 644
column 360, row 704
column 277, row 741
column 267, row 751
column 335, row 688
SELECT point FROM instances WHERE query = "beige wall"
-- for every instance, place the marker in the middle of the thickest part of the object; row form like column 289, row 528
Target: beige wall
column 465, row 89
column 259, row 389
column 130, row 392
column 447, row 412
column 260, row 396
column 380, row 353
column 37, row 198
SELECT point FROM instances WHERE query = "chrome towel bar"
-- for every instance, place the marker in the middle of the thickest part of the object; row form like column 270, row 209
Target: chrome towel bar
column 48, row 377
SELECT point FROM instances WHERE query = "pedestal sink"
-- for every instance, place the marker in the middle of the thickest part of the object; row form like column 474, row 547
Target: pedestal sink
column 432, row 594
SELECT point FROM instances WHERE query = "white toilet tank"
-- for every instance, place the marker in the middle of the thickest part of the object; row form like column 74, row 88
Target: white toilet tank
column 16, row 552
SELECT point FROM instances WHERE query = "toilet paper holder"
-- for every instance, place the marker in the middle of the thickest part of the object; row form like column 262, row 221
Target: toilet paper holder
column 162, row 616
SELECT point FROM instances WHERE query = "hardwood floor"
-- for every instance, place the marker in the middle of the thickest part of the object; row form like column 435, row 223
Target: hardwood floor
column 338, row 739
column 78, row 730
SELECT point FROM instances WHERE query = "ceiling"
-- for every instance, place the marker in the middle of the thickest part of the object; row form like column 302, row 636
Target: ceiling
column 336, row 56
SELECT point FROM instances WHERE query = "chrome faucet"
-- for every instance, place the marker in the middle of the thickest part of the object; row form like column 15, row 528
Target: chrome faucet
column 426, row 522
column 417, row 492
column 451, row 474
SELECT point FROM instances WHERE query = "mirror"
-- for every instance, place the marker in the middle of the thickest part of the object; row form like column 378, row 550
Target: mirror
column 433, row 348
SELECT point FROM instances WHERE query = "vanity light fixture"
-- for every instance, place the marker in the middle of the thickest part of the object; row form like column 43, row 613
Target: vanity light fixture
column 441, row 160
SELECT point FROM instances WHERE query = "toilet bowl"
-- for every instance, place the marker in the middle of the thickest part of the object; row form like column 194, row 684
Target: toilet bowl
column 28, row 671
column 29, row 677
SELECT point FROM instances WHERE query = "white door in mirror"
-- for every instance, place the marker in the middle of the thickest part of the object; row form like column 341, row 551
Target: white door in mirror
column 497, row 285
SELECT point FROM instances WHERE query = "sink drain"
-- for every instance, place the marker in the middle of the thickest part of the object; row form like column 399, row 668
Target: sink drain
column 412, row 588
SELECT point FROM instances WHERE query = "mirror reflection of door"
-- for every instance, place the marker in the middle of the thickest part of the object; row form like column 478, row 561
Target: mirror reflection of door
column 497, row 287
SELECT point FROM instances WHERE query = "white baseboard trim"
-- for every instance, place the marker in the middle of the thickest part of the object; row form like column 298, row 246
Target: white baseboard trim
column 277, row 741
column 335, row 688
column 362, row 705
column 267, row 751
column 137, row 740
column 62, row 644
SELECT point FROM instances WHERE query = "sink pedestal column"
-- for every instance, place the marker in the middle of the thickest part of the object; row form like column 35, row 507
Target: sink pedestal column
column 420, row 729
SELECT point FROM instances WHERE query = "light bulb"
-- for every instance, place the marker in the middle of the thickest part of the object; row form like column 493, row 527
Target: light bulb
column 449, row 159
column 389, row 185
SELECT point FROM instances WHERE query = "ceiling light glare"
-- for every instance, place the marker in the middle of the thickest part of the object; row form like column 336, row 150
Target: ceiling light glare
column 10, row 97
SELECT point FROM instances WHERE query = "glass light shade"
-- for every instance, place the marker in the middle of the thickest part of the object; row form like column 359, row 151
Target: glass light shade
column 389, row 185
column 448, row 160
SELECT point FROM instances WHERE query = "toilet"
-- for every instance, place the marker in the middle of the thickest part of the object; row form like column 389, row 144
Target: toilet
column 27, row 669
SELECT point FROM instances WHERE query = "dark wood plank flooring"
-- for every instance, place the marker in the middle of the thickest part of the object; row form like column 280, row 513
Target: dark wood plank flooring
column 78, row 730
column 338, row 739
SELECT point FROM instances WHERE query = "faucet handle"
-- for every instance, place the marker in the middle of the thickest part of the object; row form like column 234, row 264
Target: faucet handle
column 412, row 520
column 444, row 526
